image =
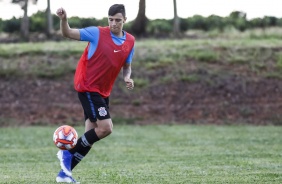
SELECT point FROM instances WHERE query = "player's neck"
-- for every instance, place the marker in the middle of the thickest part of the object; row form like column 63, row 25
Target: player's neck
column 120, row 34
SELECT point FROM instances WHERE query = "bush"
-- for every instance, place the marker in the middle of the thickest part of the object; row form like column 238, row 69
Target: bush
column 38, row 22
column 12, row 26
column 1, row 25
column 159, row 27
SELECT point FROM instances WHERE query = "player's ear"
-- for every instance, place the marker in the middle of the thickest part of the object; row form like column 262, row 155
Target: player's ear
column 124, row 20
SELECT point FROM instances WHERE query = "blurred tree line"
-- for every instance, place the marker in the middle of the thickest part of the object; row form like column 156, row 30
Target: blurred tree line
column 48, row 24
column 153, row 28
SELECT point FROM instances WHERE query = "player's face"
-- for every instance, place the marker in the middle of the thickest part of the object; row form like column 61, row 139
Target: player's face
column 116, row 24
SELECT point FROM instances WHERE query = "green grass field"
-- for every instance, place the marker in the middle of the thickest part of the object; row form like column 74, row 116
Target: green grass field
column 150, row 154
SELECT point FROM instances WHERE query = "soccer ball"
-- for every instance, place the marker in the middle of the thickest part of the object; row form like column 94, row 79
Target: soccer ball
column 65, row 137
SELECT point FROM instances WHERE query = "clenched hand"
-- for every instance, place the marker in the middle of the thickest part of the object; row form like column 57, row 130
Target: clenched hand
column 129, row 83
column 61, row 13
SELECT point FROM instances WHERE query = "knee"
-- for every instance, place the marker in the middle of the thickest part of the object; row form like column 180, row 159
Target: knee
column 104, row 128
column 105, row 131
column 108, row 130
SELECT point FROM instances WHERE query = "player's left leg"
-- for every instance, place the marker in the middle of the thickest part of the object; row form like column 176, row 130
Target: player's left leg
column 90, row 125
column 82, row 150
column 69, row 159
column 85, row 142
column 98, row 124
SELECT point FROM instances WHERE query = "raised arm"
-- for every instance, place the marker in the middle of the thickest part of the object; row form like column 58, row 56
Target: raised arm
column 64, row 26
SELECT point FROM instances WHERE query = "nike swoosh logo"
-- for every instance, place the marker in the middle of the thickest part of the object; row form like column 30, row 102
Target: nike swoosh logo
column 117, row 50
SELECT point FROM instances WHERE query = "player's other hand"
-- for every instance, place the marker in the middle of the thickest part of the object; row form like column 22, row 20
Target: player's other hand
column 61, row 13
column 129, row 83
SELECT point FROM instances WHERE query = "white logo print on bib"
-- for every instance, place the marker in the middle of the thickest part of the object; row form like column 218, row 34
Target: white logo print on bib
column 102, row 111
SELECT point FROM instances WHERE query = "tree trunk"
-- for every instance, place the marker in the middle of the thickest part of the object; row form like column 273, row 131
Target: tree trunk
column 49, row 30
column 176, row 22
column 25, row 23
column 139, row 25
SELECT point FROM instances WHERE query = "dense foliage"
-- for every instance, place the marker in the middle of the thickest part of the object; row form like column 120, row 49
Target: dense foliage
column 159, row 27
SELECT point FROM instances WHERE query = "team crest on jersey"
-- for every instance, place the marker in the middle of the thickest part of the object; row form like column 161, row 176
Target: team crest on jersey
column 102, row 111
column 125, row 47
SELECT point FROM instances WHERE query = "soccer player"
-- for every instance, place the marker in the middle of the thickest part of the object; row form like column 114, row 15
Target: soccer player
column 109, row 49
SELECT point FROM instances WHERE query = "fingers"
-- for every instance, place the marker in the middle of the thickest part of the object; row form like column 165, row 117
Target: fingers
column 60, row 12
column 129, row 84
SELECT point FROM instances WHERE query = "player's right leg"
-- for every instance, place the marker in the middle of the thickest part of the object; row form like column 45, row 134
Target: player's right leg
column 65, row 158
column 62, row 177
column 68, row 160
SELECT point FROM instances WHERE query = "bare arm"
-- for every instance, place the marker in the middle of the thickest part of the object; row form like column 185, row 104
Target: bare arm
column 126, row 76
column 64, row 26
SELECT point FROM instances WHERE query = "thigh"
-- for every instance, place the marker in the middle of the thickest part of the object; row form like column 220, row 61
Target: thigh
column 94, row 106
column 105, row 124
column 90, row 125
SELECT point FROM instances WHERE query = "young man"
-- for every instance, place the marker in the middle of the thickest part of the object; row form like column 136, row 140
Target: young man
column 109, row 49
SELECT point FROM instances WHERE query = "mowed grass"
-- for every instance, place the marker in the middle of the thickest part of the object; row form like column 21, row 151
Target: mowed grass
column 150, row 154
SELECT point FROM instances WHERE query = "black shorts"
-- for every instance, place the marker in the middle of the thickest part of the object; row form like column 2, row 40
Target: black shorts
column 94, row 106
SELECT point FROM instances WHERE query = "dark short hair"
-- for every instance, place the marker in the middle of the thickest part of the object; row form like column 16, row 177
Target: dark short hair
column 116, row 8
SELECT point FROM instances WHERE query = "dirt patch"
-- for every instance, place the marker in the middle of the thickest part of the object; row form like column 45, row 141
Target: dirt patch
column 230, row 100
